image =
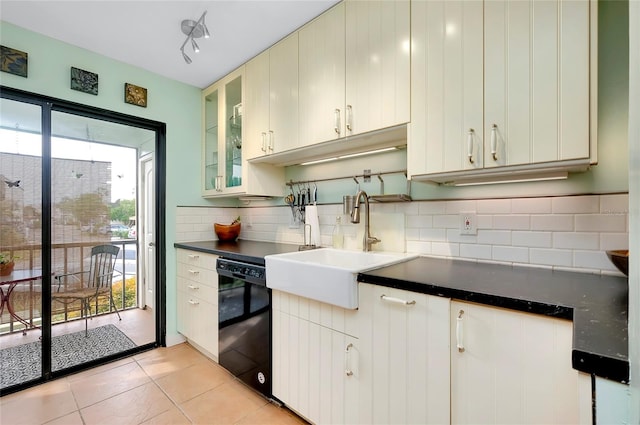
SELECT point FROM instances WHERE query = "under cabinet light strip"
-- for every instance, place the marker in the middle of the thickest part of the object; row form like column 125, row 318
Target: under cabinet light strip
column 351, row 155
column 499, row 180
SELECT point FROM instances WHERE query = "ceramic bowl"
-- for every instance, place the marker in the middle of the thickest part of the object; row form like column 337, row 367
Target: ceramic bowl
column 620, row 259
column 227, row 232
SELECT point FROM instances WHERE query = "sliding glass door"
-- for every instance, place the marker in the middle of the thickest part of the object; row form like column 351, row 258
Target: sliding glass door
column 20, row 243
column 94, row 256
column 68, row 218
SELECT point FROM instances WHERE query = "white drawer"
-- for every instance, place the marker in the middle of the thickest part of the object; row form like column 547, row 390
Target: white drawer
column 198, row 274
column 195, row 258
column 194, row 289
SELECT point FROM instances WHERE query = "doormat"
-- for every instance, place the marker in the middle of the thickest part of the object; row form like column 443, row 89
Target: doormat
column 22, row 363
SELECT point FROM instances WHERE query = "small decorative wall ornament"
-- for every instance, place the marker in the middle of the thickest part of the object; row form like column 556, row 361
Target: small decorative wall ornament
column 13, row 61
column 84, row 81
column 135, row 95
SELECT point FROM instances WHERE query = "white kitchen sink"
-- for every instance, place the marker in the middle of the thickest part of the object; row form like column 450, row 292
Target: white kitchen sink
column 326, row 274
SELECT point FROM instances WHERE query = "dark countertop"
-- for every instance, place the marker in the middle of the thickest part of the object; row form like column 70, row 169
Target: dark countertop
column 596, row 304
column 241, row 250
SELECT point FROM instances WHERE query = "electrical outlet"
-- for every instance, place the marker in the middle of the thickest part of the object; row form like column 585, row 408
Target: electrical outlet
column 468, row 223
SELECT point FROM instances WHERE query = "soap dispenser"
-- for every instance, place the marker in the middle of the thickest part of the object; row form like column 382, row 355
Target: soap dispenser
column 338, row 237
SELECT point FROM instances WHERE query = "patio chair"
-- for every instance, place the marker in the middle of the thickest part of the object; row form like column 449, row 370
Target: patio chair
column 88, row 285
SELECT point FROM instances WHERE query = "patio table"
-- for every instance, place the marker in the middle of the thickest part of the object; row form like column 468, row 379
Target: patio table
column 8, row 284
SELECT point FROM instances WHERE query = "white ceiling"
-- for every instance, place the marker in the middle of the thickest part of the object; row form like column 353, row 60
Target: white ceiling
column 147, row 33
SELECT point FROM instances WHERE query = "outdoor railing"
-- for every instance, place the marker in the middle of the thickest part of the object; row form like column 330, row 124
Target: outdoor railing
column 27, row 297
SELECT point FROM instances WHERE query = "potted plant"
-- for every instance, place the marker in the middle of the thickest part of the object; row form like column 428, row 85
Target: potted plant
column 6, row 264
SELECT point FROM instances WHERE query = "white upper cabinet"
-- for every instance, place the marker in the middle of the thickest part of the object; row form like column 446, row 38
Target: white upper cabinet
column 322, row 77
column 272, row 99
column 283, row 95
column 225, row 170
column 354, row 70
column 500, row 84
column 377, row 65
column 257, row 104
column 536, row 81
column 447, row 85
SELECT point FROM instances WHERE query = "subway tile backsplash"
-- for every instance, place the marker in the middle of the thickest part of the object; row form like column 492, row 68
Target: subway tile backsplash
column 564, row 233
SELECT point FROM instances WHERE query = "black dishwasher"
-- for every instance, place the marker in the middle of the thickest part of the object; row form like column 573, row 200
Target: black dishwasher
column 244, row 323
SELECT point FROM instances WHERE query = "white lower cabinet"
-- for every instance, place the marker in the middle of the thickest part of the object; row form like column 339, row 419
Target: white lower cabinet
column 410, row 358
column 197, row 300
column 513, row 367
column 315, row 359
column 404, row 362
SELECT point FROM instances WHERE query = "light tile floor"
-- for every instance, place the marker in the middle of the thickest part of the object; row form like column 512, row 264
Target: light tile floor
column 174, row 385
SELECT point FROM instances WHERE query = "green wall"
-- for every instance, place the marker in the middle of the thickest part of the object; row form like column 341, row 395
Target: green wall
column 169, row 101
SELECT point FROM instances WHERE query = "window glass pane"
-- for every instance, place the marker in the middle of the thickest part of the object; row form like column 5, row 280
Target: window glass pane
column 20, row 241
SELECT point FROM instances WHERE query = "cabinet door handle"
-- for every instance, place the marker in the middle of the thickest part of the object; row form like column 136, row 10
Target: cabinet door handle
column 271, row 140
column 394, row 300
column 193, row 256
column 347, row 360
column 264, row 142
column 470, row 146
column 349, row 118
column 460, row 332
column 494, row 142
column 192, row 302
column 193, row 287
column 337, row 121
column 194, row 272
column 219, row 183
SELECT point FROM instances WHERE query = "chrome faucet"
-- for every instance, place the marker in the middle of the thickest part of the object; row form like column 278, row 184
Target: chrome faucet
column 367, row 240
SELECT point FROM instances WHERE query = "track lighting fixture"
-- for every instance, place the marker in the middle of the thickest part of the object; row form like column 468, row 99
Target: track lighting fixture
column 193, row 30
column 186, row 58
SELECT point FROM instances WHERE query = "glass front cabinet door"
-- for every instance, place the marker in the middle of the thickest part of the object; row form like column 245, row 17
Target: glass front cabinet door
column 222, row 137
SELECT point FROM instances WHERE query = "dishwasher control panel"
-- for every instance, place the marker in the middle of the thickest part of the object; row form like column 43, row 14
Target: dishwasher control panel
column 241, row 270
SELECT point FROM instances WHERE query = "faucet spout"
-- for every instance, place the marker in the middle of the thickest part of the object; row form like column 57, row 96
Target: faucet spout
column 367, row 240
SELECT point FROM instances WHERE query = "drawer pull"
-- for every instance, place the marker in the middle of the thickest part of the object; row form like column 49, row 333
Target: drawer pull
column 192, row 302
column 193, row 287
column 193, row 256
column 470, row 146
column 460, row 332
column 271, row 140
column 347, row 363
column 494, row 142
column 194, row 272
column 394, row 300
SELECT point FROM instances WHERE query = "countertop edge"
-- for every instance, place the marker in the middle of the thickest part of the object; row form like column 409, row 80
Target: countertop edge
column 221, row 252
column 557, row 311
column 248, row 251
